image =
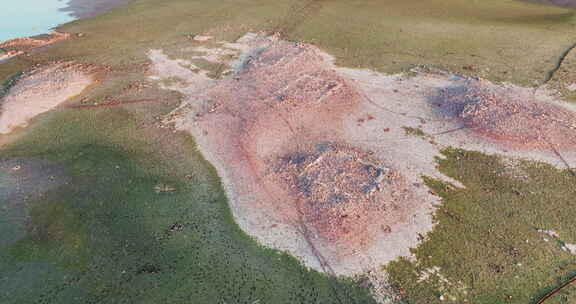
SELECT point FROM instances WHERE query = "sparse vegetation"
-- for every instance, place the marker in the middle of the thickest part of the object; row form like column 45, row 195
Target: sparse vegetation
column 414, row 131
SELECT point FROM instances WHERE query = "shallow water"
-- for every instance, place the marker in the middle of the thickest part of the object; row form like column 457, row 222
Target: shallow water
column 23, row 18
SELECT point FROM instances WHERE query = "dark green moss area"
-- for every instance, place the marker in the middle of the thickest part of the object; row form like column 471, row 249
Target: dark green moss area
column 486, row 245
column 141, row 220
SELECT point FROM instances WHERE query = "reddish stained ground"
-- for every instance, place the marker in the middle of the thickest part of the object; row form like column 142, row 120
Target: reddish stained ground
column 19, row 46
column 285, row 104
column 515, row 120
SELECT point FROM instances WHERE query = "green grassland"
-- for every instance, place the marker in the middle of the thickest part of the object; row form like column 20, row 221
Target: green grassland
column 503, row 40
column 486, row 243
column 110, row 236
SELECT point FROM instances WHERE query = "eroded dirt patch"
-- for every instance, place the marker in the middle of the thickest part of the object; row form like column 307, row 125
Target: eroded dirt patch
column 316, row 159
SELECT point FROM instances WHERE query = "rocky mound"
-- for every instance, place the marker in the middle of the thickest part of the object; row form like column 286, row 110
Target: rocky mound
column 341, row 192
column 510, row 117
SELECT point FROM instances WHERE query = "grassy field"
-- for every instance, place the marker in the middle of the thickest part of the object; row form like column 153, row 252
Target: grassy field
column 118, row 233
column 503, row 40
column 486, row 247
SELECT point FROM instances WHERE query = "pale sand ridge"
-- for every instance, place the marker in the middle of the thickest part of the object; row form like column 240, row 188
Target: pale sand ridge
column 39, row 91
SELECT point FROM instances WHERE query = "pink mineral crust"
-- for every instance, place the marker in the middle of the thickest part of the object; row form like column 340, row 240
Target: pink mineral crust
column 514, row 120
column 277, row 125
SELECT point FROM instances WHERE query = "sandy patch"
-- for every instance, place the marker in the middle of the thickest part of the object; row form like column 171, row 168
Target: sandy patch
column 177, row 74
column 40, row 90
column 202, row 38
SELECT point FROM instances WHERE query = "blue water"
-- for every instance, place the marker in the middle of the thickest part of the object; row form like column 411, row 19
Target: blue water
column 22, row 18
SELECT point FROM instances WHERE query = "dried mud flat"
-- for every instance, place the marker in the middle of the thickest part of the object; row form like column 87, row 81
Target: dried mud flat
column 40, row 90
column 316, row 160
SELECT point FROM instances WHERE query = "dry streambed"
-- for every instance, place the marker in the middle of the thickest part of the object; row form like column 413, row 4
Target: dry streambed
column 316, row 159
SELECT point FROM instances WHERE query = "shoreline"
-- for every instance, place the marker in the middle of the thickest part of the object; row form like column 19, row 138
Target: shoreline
column 74, row 10
column 77, row 9
column 81, row 9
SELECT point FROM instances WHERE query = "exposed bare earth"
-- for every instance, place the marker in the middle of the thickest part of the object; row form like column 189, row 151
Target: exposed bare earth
column 41, row 90
column 276, row 132
column 315, row 158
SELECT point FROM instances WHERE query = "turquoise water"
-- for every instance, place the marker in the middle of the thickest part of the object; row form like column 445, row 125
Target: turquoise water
column 21, row 18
